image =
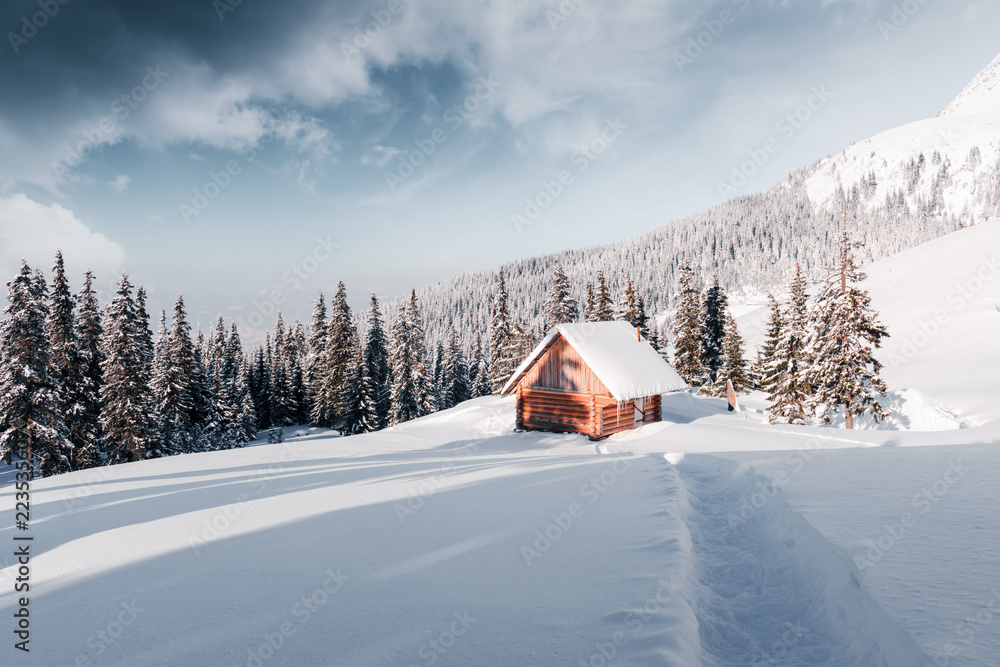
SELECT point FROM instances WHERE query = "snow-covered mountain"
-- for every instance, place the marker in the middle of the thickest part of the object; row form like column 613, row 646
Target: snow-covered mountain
column 901, row 188
column 948, row 162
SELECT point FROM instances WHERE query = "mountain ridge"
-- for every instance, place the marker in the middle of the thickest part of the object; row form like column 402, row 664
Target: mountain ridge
column 901, row 187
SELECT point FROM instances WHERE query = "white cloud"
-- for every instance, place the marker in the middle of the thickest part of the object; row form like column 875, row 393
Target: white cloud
column 380, row 155
column 120, row 183
column 34, row 231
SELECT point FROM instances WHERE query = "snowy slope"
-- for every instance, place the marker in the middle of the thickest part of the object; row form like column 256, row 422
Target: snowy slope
column 959, row 148
column 450, row 540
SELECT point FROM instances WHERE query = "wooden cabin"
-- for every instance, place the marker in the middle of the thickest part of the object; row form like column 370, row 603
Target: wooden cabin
column 595, row 378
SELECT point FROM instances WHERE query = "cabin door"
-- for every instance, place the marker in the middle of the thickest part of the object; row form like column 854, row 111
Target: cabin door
column 639, row 406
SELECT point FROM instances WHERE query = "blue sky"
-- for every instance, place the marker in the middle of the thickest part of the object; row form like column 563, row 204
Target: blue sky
column 252, row 154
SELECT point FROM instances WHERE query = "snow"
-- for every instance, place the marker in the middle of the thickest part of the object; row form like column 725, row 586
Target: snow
column 628, row 367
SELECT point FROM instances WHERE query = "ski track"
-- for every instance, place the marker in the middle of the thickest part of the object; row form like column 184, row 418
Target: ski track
column 767, row 588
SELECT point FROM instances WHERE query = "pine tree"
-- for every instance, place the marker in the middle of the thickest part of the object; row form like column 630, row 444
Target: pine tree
column 789, row 398
column 221, row 368
column 315, row 361
column 769, row 365
column 560, row 306
column 297, row 393
column 455, row 387
column 376, row 360
column 642, row 320
column 474, row 358
column 688, row 339
column 89, row 331
column 282, row 410
column 844, row 372
column 174, row 384
column 422, row 380
column 128, row 415
column 590, row 309
column 358, row 401
column 412, row 383
column 502, row 342
column 482, row 385
column 713, row 329
column 206, row 422
column 603, row 306
column 629, row 308
column 67, row 364
column 240, row 394
column 438, row 383
column 422, row 390
column 734, row 366
column 260, row 385
column 342, row 341
column 403, row 394
column 31, row 402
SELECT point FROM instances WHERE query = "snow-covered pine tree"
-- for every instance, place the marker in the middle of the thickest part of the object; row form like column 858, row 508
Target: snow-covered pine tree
column 455, row 375
column 240, row 395
column 89, row 330
column 642, row 320
column 590, row 307
column 713, row 329
column 422, row 381
column 502, row 344
column 315, row 360
column 734, row 366
column 482, row 385
column 422, row 386
column 128, row 414
column 207, row 430
column 789, row 397
column 844, row 372
column 174, row 383
column 341, row 343
column 282, row 410
column 67, row 363
column 474, row 357
column 403, row 393
column 221, row 368
column 376, row 359
column 560, row 306
column 604, row 310
column 281, row 354
column 688, row 339
column 769, row 365
column 31, row 402
column 357, row 404
column 297, row 392
column 628, row 310
column 260, row 385
column 438, row 382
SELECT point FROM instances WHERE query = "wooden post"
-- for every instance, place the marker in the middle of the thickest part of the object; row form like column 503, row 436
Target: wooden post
column 519, row 409
column 593, row 417
column 599, row 411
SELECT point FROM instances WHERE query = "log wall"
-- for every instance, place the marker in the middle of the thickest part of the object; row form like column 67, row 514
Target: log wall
column 577, row 412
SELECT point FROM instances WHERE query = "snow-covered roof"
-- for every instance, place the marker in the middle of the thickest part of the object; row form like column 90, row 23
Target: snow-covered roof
column 628, row 367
